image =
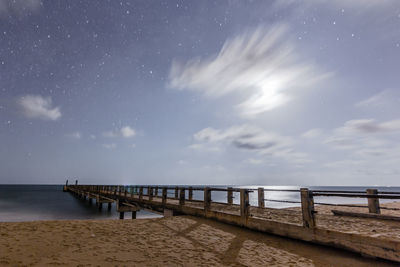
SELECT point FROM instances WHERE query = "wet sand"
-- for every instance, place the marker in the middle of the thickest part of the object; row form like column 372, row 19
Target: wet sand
column 173, row 241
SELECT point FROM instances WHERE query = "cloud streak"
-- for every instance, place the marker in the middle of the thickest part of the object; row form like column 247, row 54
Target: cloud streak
column 368, row 126
column 262, row 66
column 250, row 139
column 126, row 132
column 38, row 107
column 109, row 146
column 382, row 100
column 19, row 7
column 74, row 135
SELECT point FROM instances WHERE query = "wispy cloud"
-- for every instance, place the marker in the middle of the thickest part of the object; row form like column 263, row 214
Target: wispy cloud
column 368, row 126
column 364, row 136
column 204, row 147
column 262, row 66
column 74, row 135
column 253, row 161
column 383, row 100
column 251, row 139
column 312, row 133
column 38, row 107
column 360, row 5
column 110, row 146
column 18, row 7
column 126, row 132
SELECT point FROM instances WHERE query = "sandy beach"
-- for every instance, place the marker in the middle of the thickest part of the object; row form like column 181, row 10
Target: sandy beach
column 173, row 241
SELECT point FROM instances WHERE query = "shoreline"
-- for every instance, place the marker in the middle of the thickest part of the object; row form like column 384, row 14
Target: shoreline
column 172, row 241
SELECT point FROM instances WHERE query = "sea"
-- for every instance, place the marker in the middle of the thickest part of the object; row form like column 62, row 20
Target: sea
column 48, row 202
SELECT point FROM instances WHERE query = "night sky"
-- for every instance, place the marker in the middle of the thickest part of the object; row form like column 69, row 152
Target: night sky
column 200, row 92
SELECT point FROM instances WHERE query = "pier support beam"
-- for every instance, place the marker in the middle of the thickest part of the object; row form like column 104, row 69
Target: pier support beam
column 123, row 207
column 150, row 193
column 156, row 191
column 207, row 198
column 190, row 193
column 373, row 203
column 164, row 196
column 261, row 202
column 109, row 206
column 141, row 193
column 244, row 204
column 182, row 196
column 176, row 192
column 307, row 208
column 230, row 196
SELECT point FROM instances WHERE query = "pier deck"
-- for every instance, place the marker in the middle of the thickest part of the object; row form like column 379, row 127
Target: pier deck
column 368, row 236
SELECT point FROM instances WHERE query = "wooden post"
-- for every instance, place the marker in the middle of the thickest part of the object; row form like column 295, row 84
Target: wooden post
column 164, row 196
column 182, row 196
column 230, row 196
column 190, row 193
column 100, row 206
column 207, row 198
column 121, row 215
column 261, row 203
column 156, row 191
column 126, row 191
column 109, row 206
column 244, row 203
column 307, row 208
column 133, row 214
column 141, row 193
column 373, row 203
column 131, row 191
column 176, row 192
column 150, row 193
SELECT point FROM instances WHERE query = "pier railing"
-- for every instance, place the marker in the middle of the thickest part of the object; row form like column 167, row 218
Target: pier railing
column 294, row 223
column 182, row 194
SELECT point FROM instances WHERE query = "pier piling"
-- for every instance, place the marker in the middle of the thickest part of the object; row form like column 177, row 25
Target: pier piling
column 230, row 196
column 307, row 208
column 373, row 203
column 190, row 193
column 176, row 192
column 182, row 196
column 207, row 198
column 261, row 202
column 164, row 196
column 244, row 203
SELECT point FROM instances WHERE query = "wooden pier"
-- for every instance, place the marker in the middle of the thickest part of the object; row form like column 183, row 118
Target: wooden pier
column 370, row 236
